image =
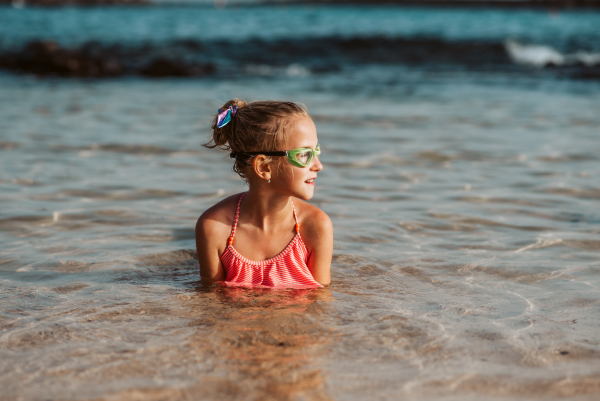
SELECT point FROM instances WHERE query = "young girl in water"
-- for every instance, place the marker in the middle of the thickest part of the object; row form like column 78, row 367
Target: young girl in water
column 268, row 236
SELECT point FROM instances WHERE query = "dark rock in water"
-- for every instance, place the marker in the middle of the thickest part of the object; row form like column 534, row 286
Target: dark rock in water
column 48, row 58
column 58, row 3
column 93, row 60
column 163, row 67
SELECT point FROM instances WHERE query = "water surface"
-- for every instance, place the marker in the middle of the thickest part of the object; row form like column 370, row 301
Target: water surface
column 464, row 203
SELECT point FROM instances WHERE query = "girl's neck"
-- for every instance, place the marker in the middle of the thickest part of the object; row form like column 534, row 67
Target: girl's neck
column 264, row 208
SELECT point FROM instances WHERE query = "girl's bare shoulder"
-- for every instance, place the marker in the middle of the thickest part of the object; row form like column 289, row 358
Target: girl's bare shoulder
column 219, row 217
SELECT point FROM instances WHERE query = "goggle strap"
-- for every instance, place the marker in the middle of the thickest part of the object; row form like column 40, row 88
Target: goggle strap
column 234, row 155
column 277, row 153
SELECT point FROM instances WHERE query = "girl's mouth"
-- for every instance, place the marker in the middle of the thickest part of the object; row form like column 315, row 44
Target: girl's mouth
column 310, row 182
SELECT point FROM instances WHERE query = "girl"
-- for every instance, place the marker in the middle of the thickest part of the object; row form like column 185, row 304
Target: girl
column 268, row 236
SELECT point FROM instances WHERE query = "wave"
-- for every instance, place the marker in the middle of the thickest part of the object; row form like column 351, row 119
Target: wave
column 294, row 57
column 543, row 56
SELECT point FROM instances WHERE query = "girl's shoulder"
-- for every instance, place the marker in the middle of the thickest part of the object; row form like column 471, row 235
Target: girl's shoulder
column 219, row 217
column 314, row 222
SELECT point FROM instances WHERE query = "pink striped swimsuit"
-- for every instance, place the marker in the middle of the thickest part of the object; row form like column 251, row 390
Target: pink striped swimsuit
column 287, row 270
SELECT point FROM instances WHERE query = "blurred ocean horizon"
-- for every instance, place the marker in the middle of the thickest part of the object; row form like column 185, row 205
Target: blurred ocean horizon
column 181, row 41
column 461, row 160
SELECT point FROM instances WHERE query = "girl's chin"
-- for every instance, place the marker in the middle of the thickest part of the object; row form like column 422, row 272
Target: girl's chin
column 304, row 195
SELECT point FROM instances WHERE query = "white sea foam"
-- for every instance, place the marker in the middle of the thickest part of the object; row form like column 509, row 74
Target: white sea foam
column 542, row 55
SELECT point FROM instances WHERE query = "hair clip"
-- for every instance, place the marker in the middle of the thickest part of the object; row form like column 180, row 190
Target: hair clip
column 225, row 116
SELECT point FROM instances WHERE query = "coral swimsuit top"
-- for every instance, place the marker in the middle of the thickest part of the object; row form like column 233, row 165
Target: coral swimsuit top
column 289, row 269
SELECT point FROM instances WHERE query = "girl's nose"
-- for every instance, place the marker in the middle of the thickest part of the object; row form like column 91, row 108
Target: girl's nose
column 316, row 165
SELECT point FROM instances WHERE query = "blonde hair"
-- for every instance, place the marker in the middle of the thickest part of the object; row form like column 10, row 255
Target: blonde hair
column 256, row 126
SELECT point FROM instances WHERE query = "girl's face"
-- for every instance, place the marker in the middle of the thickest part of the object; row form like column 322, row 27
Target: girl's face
column 299, row 181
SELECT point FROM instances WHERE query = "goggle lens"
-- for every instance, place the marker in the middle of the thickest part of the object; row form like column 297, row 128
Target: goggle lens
column 304, row 157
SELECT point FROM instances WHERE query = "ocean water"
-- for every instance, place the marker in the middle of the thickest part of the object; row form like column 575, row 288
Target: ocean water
column 461, row 164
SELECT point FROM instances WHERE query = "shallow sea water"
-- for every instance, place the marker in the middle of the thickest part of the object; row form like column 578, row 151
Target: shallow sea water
column 465, row 266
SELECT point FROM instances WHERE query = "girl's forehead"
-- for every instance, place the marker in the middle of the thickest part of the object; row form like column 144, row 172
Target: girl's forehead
column 303, row 133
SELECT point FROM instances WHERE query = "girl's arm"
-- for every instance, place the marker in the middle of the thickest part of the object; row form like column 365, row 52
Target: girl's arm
column 209, row 240
column 317, row 233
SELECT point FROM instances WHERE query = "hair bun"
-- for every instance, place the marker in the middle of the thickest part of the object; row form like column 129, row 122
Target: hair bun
column 234, row 102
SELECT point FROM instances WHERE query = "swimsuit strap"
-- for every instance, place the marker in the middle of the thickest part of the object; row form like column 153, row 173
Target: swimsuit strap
column 237, row 217
column 295, row 217
column 235, row 220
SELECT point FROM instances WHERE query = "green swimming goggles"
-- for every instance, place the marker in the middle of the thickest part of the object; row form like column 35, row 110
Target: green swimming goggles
column 300, row 157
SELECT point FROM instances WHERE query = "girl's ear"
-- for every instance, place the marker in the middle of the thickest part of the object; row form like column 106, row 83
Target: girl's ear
column 261, row 167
